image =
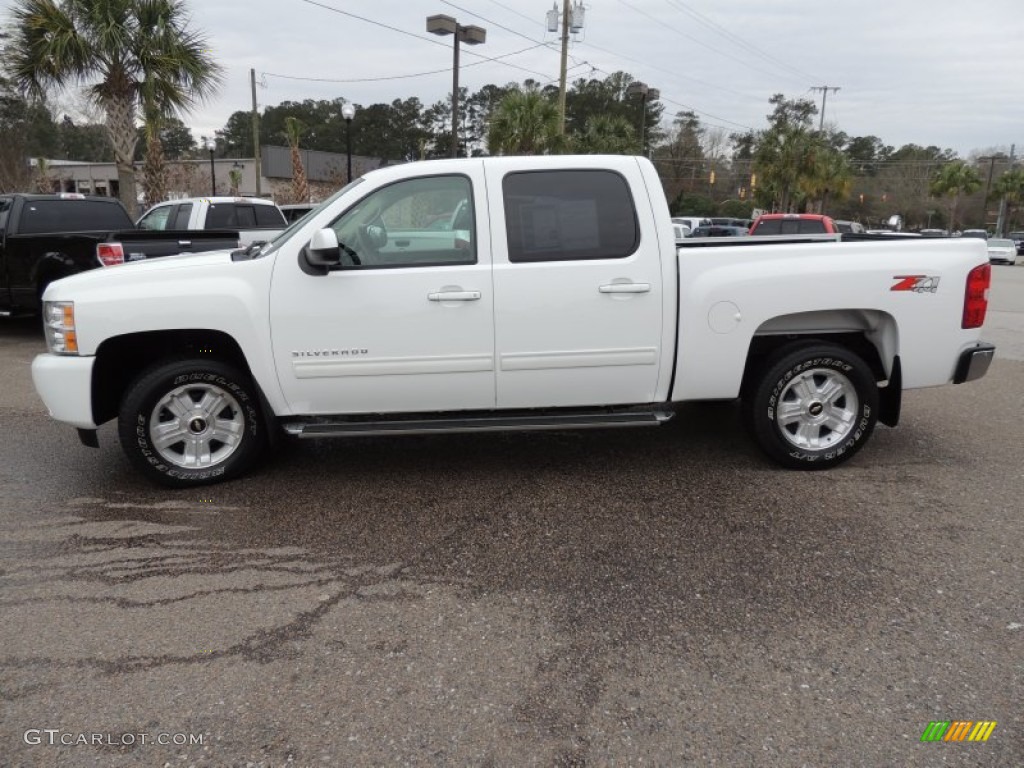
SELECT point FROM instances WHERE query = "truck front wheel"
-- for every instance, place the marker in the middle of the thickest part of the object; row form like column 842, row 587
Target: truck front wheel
column 192, row 422
column 813, row 407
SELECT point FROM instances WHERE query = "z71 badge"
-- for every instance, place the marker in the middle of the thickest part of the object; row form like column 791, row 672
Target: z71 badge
column 915, row 283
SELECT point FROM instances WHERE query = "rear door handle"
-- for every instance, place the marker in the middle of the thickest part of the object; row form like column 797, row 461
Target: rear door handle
column 626, row 288
column 454, row 296
column 402, row 243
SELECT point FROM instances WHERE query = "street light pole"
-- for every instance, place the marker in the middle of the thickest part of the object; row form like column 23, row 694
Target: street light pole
column 445, row 25
column 212, row 145
column 348, row 111
column 645, row 92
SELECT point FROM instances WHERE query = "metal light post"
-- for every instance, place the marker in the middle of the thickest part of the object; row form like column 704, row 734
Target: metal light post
column 211, row 145
column 471, row 35
column 348, row 111
column 637, row 88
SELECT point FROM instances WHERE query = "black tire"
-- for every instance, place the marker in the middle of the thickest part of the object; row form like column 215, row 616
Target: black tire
column 793, row 425
column 232, row 412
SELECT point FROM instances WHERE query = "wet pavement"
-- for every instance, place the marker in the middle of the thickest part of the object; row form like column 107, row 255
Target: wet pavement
column 634, row 597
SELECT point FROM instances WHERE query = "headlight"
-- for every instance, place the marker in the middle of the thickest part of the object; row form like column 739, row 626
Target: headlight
column 59, row 324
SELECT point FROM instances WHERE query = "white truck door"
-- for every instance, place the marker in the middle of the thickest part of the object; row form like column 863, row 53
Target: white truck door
column 577, row 285
column 406, row 323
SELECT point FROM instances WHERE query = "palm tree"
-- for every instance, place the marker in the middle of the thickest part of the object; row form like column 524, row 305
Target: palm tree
column 953, row 180
column 1010, row 187
column 525, row 123
column 783, row 161
column 827, row 174
column 300, row 188
column 117, row 48
column 606, row 135
column 154, row 169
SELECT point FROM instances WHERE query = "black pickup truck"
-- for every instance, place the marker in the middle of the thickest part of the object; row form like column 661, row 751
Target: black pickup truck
column 46, row 237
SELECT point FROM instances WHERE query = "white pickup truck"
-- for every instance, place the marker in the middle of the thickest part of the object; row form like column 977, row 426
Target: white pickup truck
column 256, row 219
column 505, row 294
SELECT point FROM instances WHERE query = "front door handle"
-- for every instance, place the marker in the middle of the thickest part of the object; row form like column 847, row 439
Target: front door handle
column 626, row 288
column 454, row 296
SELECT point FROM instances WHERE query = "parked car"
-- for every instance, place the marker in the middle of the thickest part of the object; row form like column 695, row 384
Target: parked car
column 256, row 219
column 44, row 238
column 891, row 233
column 563, row 302
column 681, row 232
column 981, row 234
column 1018, row 239
column 849, row 226
column 729, row 221
column 1002, row 251
column 793, row 224
column 295, row 211
column 692, row 221
column 714, row 230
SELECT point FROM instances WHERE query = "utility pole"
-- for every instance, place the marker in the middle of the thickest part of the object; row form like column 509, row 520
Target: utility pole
column 564, row 70
column 256, row 133
column 824, row 95
column 1002, row 201
column 572, row 22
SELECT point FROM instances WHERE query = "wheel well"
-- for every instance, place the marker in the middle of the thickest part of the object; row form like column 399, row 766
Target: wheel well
column 764, row 348
column 121, row 358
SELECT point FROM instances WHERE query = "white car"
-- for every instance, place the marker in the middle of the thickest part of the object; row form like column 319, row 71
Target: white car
column 1002, row 251
column 681, row 232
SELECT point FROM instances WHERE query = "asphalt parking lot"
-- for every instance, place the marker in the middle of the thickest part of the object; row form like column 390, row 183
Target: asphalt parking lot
column 659, row 597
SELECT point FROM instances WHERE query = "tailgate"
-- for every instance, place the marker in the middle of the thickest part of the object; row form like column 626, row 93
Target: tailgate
column 154, row 244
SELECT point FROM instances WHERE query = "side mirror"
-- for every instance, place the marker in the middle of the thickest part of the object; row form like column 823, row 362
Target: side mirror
column 322, row 253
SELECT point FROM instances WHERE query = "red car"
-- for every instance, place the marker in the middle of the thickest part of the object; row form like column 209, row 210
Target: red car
column 794, row 224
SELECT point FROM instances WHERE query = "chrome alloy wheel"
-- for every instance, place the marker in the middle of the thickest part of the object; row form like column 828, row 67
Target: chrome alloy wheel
column 197, row 425
column 817, row 409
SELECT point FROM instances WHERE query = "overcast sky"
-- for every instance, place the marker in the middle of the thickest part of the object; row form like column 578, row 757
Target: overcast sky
column 938, row 72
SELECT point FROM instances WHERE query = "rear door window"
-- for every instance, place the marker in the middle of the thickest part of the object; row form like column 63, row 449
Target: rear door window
column 569, row 215
column 769, row 227
column 269, row 216
column 182, row 216
column 48, row 216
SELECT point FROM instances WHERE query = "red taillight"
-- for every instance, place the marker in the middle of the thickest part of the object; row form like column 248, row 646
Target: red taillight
column 110, row 254
column 976, row 296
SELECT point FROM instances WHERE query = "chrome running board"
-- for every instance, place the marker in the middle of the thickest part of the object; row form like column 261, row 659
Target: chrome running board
column 486, row 423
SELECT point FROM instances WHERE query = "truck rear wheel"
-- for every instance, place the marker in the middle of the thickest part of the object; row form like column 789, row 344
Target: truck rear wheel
column 813, row 407
column 192, row 422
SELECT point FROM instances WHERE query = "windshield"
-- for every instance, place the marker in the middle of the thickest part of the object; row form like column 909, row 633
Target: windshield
column 286, row 234
column 1001, row 243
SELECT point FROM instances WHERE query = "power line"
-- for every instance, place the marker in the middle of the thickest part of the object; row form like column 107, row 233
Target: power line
column 692, row 109
column 513, row 10
column 724, row 32
column 491, row 22
column 532, row 40
column 691, row 38
column 674, row 73
column 445, row 70
column 432, row 41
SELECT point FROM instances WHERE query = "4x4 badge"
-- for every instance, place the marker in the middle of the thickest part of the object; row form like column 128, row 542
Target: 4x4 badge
column 916, row 283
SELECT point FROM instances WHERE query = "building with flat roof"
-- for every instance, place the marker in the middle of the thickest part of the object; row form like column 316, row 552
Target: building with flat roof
column 325, row 172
